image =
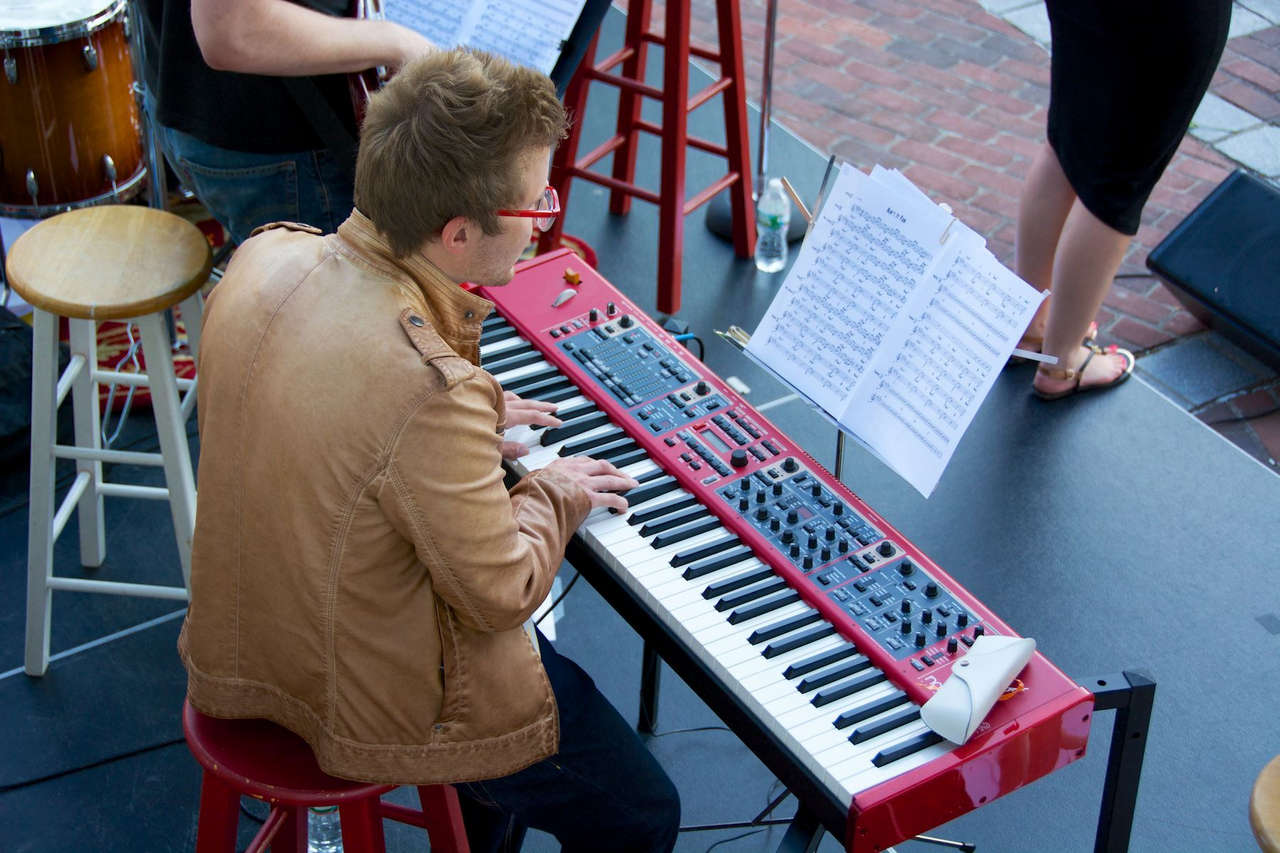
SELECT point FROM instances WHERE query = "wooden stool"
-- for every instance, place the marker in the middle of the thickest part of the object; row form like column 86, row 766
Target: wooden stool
column 262, row 760
column 113, row 262
column 676, row 106
column 1264, row 807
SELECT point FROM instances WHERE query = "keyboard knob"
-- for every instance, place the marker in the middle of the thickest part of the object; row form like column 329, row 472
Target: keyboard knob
column 905, row 568
column 762, row 513
column 920, row 640
column 790, row 465
column 775, row 525
column 842, row 545
column 794, row 552
column 941, row 630
column 931, row 589
column 885, row 548
column 837, row 510
column 788, row 537
column 812, row 542
column 978, row 631
column 792, row 516
column 807, row 562
column 952, row 645
column 906, row 627
column 625, row 321
column 826, row 554
column 744, row 484
column 925, row 617
column 962, row 620
column 777, row 489
column 816, row 489
column 701, row 388
column 738, row 459
column 593, row 315
column 743, row 505
column 830, row 535
column 610, row 309
column 906, row 607
column 761, row 497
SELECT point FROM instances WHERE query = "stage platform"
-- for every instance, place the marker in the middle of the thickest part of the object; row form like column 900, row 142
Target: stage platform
column 1115, row 529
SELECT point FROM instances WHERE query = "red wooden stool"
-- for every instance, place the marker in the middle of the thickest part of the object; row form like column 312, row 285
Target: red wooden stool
column 270, row 763
column 676, row 106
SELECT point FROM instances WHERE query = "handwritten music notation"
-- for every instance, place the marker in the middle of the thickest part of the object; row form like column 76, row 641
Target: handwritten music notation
column 894, row 321
column 527, row 32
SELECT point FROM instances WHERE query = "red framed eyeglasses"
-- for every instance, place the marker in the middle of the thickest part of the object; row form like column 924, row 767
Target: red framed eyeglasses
column 544, row 212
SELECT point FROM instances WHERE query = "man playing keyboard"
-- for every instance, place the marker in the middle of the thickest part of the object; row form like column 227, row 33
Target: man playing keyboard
column 360, row 573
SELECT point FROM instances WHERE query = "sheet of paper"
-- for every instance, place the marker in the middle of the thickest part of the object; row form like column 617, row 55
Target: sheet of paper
column 527, row 32
column 867, row 253
column 958, row 332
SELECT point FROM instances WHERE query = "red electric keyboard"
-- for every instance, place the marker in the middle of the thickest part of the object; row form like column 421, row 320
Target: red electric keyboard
column 824, row 625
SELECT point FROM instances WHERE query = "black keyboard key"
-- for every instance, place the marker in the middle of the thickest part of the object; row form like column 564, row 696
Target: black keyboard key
column 658, row 486
column 518, row 385
column 573, row 448
column 886, row 724
column 566, row 393
column 547, row 386
column 755, row 593
column 804, row 638
column 612, row 451
column 818, row 661
column 576, row 427
column 494, row 321
column 689, row 531
column 662, row 509
column 503, row 362
column 703, row 551
column 737, row 581
column 870, row 709
column 674, row 520
column 760, row 608
column 716, row 562
column 786, row 626
column 651, row 476
column 910, row 746
column 631, row 457
column 500, row 333
column 847, row 688
column 824, row 677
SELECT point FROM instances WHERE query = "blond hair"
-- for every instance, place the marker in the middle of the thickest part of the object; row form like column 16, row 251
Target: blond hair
column 444, row 138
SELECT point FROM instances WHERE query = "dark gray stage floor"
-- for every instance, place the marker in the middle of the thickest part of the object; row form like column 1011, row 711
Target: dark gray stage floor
column 1115, row 529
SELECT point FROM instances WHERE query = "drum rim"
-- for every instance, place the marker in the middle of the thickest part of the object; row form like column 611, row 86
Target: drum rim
column 123, row 191
column 57, row 33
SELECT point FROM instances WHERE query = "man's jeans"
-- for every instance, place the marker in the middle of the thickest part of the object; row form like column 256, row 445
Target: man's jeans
column 244, row 190
column 602, row 791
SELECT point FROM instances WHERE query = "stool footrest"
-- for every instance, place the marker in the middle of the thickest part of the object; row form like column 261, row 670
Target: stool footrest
column 120, row 377
column 69, row 503
column 267, row 832
column 403, row 814
column 68, row 378
column 141, row 590
column 120, row 457
column 128, row 490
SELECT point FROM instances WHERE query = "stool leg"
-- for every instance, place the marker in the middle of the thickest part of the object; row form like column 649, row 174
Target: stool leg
column 362, row 826
column 630, row 103
column 675, row 116
column 44, row 421
column 292, row 837
column 173, row 435
column 443, row 818
column 86, row 407
column 192, row 319
column 729, row 24
column 219, row 816
column 564, row 160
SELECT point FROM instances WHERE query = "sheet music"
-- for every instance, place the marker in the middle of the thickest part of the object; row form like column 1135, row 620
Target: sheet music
column 897, row 333
column 527, row 32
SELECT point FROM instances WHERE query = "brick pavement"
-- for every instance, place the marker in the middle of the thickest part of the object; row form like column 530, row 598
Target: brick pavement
column 957, row 98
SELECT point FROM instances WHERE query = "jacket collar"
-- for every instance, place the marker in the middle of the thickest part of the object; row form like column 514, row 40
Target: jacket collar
column 455, row 313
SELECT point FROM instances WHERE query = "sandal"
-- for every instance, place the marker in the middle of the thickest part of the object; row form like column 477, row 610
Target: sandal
column 1036, row 344
column 1077, row 373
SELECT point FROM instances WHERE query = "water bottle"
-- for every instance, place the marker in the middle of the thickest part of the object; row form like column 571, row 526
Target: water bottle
column 324, row 832
column 773, row 215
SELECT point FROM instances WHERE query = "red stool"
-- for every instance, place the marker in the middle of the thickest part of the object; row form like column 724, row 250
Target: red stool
column 676, row 106
column 270, row 763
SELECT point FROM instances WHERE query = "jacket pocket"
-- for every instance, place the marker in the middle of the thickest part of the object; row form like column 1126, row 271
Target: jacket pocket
column 452, row 670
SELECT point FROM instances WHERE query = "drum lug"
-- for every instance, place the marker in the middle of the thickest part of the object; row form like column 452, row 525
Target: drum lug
column 109, row 169
column 90, row 54
column 33, row 186
column 11, row 69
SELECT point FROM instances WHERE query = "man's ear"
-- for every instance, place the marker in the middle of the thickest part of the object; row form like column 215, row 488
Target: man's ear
column 458, row 233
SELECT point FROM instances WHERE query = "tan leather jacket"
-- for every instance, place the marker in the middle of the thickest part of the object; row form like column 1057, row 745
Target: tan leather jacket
column 360, row 574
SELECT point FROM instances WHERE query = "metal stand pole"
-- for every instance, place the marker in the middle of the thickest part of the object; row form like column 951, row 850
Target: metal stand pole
column 1131, row 696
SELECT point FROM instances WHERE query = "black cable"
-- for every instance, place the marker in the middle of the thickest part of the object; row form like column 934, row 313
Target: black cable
column 657, row 735
column 559, row 598
column 733, row 838
column 702, row 348
column 14, row 786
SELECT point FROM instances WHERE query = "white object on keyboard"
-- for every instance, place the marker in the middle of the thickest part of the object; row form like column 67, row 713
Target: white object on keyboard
column 976, row 682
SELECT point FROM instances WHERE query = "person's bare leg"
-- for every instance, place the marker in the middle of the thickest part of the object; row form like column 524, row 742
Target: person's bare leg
column 1042, row 212
column 1088, row 256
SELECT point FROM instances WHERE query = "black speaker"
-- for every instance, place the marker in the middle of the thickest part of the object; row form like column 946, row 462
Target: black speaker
column 1223, row 263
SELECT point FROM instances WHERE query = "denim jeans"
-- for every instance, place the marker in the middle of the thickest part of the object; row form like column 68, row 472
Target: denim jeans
column 244, row 190
column 602, row 791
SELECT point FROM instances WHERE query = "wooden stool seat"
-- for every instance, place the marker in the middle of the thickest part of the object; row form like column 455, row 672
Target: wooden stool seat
column 1264, row 807
column 259, row 759
column 110, row 262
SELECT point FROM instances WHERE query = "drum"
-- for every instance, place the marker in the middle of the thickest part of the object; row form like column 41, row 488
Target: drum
column 70, row 133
